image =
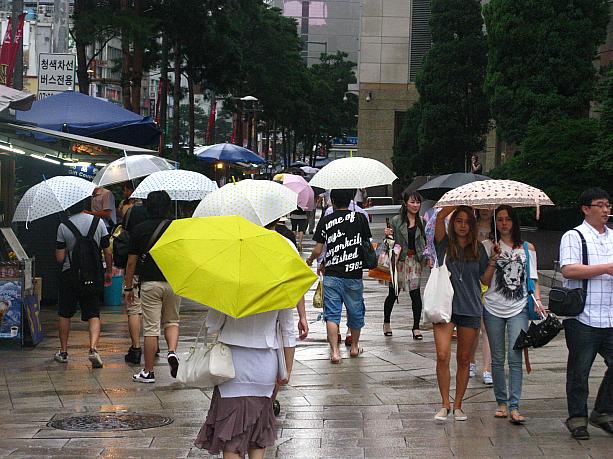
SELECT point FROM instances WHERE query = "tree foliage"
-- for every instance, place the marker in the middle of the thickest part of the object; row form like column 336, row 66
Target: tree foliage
column 454, row 110
column 540, row 60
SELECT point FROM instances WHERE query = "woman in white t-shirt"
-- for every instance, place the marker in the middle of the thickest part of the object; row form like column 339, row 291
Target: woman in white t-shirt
column 506, row 309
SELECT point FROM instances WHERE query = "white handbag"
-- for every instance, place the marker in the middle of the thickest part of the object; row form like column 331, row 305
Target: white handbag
column 206, row 365
column 438, row 295
column 282, row 365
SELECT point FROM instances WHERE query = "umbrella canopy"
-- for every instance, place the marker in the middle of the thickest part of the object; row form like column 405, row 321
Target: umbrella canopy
column 259, row 201
column 354, row 172
column 539, row 334
column 81, row 114
column 306, row 195
column 12, row 98
column 490, row 194
column 309, row 170
column 51, row 196
column 438, row 186
column 180, row 185
column 229, row 153
column 232, row 265
column 131, row 167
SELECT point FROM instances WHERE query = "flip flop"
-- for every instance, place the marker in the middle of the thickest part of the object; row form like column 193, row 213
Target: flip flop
column 516, row 418
column 501, row 413
column 335, row 361
column 360, row 352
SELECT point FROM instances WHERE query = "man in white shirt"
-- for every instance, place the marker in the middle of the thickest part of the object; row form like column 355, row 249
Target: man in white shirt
column 591, row 332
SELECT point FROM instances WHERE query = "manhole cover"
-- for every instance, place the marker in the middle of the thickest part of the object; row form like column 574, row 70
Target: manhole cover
column 110, row 422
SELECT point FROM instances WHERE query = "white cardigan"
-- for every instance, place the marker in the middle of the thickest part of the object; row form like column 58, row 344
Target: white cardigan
column 258, row 331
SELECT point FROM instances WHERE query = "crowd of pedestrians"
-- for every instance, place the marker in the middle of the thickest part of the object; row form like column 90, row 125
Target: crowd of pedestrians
column 493, row 272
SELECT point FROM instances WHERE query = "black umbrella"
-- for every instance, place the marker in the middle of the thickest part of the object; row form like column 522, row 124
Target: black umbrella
column 539, row 334
column 437, row 187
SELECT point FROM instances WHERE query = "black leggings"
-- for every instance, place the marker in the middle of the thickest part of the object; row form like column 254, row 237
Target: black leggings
column 415, row 304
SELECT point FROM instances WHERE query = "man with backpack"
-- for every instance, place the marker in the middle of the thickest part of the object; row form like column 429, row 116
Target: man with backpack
column 79, row 241
column 159, row 304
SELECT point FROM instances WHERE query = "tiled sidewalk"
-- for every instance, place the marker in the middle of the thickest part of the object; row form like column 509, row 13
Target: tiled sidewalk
column 379, row 405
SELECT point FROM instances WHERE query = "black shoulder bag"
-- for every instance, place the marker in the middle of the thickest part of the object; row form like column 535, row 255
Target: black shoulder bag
column 570, row 302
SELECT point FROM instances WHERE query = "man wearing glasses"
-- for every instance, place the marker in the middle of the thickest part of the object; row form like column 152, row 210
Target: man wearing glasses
column 591, row 332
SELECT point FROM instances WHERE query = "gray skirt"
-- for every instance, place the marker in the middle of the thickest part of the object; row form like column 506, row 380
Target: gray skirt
column 237, row 424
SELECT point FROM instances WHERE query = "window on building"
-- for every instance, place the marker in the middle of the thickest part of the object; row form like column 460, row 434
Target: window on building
column 421, row 39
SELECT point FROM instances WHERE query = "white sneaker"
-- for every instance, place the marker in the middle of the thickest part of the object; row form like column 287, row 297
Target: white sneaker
column 442, row 414
column 473, row 370
column 487, row 378
column 95, row 358
column 459, row 415
column 144, row 377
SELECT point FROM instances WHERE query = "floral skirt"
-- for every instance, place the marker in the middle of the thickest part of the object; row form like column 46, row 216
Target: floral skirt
column 237, row 424
column 409, row 273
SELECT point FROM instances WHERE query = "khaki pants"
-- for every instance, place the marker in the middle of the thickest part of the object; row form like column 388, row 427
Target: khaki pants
column 160, row 305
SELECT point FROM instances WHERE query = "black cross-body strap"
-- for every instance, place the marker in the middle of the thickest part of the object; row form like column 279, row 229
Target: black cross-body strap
column 584, row 258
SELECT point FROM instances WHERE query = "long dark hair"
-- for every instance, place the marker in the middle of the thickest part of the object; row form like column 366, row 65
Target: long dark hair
column 515, row 230
column 414, row 195
column 471, row 251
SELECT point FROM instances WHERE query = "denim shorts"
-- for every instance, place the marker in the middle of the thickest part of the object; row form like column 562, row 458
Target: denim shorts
column 338, row 290
column 466, row 321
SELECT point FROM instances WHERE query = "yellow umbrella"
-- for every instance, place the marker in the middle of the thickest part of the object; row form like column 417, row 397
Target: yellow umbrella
column 232, row 265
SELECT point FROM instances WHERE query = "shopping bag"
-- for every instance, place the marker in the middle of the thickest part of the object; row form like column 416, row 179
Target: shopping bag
column 318, row 297
column 438, row 295
column 206, row 365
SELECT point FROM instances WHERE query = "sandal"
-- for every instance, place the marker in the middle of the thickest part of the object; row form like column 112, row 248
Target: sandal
column 387, row 330
column 516, row 418
column 360, row 352
column 335, row 361
column 501, row 412
column 418, row 336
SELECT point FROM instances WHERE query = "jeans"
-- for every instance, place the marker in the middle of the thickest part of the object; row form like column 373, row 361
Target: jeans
column 503, row 332
column 416, row 304
column 583, row 343
column 339, row 290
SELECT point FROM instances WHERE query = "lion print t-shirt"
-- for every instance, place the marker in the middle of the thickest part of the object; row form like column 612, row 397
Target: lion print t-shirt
column 508, row 292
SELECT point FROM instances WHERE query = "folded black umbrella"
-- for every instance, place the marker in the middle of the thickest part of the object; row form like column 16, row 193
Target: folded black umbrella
column 539, row 334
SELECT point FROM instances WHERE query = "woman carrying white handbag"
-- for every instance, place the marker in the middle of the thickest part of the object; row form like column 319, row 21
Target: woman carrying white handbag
column 241, row 419
column 465, row 257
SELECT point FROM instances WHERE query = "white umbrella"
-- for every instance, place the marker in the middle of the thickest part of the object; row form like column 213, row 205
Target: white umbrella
column 51, row 196
column 354, row 172
column 131, row 167
column 179, row 184
column 259, row 201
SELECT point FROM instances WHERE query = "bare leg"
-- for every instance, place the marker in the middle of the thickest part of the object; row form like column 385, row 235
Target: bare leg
column 442, row 343
column 257, row 453
column 466, row 339
column 134, row 321
column 230, row 455
column 333, row 330
column 64, row 330
column 151, row 344
column 473, row 350
column 94, row 332
column 171, row 334
column 355, row 338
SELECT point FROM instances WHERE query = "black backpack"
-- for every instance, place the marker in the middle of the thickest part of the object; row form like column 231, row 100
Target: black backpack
column 121, row 242
column 85, row 261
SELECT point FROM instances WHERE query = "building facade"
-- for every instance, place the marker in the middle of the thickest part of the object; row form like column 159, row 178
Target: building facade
column 394, row 38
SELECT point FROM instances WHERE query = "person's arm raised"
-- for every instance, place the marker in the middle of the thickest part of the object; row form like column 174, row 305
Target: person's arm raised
column 440, row 230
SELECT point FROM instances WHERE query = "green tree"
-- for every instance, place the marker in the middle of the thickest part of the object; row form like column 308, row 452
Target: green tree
column 556, row 158
column 603, row 157
column 454, row 109
column 406, row 158
column 540, row 60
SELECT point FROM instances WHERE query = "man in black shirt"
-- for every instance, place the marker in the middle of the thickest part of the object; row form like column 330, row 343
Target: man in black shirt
column 159, row 303
column 343, row 232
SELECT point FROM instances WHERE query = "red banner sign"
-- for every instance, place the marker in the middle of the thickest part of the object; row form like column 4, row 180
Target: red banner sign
column 8, row 53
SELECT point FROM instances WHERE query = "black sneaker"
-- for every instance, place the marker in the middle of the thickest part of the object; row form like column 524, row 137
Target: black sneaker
column 173, row 361
column 579, row 432
column 133, row 356
column 144, row 377
column 61, row 357
column 276, row 407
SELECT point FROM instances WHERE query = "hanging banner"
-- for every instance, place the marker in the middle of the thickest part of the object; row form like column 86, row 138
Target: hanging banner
column 8, row 53
column 211, row 127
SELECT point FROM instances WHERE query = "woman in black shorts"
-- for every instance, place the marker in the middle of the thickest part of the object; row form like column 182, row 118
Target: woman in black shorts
column 467, row 262
column 299, row 225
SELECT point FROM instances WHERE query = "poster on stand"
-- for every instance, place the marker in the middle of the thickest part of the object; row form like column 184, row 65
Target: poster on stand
column 10, row 309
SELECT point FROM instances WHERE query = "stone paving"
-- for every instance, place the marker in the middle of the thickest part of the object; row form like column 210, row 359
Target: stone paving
column 379, row 405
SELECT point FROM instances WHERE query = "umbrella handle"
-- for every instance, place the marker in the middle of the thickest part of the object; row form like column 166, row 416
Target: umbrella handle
column 542, row 315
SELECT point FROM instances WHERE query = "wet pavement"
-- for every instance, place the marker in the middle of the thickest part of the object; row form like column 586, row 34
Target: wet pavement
column 378, row 405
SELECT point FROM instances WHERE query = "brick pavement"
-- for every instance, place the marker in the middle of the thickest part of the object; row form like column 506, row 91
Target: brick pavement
column 378, row 405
